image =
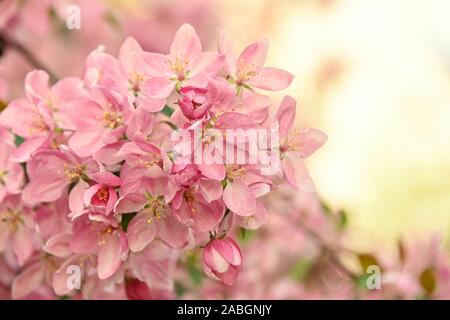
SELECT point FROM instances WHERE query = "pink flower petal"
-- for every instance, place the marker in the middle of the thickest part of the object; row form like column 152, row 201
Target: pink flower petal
column 311, row 140
column 129, row 46
column 141, row 231
column 173, row 232
column 109, row 256
column 226, row 48
column 158, row 88
column 272, row 79
column 44, row 189
column 286, row 115
column 58, row 245
column 28, row 147
column 19, row 117
column 86, row 143
column 186, row 44
column 210, row 189
column 28, row 280
column 212, row 171
column 239, row 198
column 22, row 244
column 76, row 204
column 253, row 57
column 297, row 175
column 36, row 86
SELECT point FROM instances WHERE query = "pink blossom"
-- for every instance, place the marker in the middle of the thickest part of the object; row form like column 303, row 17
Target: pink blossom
column 154, row 218
column 102, row 196
column 51, row 172
column 244, row 186
column 11, row 173
column 100, row 235
column 198, row 199
column 222, row 259
column 185, row 64
column 193, row 103
column 296, row 145
column 37, row 118
column 247, row 69
column 99, row 121
column 16, row 228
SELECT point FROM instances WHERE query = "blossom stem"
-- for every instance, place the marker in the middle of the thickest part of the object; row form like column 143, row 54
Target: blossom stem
column 27, row 54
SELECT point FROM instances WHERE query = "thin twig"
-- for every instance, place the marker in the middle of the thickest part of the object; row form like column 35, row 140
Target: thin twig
column 329, row 252
column 27, row 54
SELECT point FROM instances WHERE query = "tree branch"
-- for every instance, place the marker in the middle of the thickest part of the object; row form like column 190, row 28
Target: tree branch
column 27, row 54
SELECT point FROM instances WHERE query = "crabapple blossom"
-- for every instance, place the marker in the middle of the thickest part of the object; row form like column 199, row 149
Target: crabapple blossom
column 92, row 179
column 222, row 259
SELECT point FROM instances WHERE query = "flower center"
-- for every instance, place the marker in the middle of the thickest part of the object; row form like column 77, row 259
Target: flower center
column 112, row 119
column 155, row 208
column 103, row 194
column 136, row 81
column 37, row 124
column 104, row 235
column 293, row 142
column 178, row 66
column 149, row 161
column 74, row 172
column 11, row 219
column 235, row 171
column 246, row 74
column 189, row 196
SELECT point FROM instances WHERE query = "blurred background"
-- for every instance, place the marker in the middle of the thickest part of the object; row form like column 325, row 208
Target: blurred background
column 373, row 74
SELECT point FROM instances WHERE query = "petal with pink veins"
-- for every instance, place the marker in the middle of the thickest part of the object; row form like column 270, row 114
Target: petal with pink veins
column 109, row 256
column 22, row 244
column 173, row 232
column 141, row 231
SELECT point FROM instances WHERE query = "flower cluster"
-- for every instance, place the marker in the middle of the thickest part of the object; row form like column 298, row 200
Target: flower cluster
column 99, row 198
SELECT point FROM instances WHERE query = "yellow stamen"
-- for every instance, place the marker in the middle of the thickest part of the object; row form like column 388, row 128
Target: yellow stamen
column 74, row 172
column 112, row 119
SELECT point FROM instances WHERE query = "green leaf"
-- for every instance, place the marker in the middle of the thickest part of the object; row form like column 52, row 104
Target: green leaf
column 126, row 218
column 245, row 235
column 196, row 274
column 361, row 281
column 180, row 289
column 64, row 297
column 428, row 280
column 18, row 140
column 301, row 270
column 167, row 110
column 224, row 183
column 194, row 270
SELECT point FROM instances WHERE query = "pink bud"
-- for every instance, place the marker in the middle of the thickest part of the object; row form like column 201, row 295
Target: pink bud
column 193, row 102
column 222, row 260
